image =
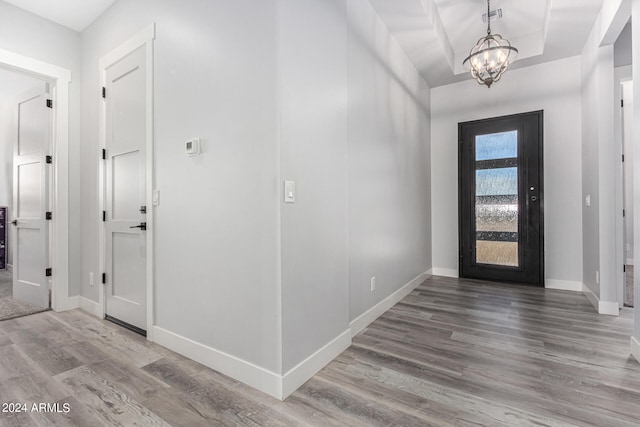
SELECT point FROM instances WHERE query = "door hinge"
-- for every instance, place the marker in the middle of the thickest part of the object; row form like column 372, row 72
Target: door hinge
column 104, row 278
column 104, row 154
column 104, row 92
column 624, row 268
column 49, row 159
column 104, row 216
column 48, row 216
column 623, row 158
column 622, row 103
column 624, row 213
column 49, row 103
column 48, row 272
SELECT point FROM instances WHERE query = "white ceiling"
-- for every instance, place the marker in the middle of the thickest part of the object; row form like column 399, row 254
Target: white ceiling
column 438, row 34
column 74, row 14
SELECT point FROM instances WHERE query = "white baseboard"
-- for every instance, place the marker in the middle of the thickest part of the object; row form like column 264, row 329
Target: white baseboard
column 66, row 304
column 358, row 324
column 299, row 375
column 445, row 272
column 241, row 370
column 90, row 307
column 10, row 268
column 603, row 307
column 635, row 348
column 563, row 285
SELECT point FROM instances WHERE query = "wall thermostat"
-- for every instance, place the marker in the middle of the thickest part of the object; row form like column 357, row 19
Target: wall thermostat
column 192, row 147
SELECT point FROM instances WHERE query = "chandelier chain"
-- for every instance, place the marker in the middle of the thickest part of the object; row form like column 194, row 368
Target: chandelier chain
column 488, row 16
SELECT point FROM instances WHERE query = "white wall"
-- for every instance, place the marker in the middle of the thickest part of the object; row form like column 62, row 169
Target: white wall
column 599, row 163
column 216, row 226
column 636, row 178
column 35, row 37
column 389, row 179
column 519, row 91
column 312, row 80
column 266, row 85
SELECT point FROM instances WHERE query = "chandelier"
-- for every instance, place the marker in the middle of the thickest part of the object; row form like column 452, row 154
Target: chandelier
column 489, row 58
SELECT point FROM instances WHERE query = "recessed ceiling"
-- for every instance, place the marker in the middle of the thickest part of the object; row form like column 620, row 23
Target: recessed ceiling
column 73, row 14
column 438, row 34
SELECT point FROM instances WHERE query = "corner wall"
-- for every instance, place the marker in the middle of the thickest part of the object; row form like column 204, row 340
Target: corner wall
column 389, row 159
column 215, row 231
column 635, row 339
column 559, row 97
column 600, row 157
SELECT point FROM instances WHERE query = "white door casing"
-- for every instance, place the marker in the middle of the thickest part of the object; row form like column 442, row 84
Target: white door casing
column 31, row 178
column 126, row 249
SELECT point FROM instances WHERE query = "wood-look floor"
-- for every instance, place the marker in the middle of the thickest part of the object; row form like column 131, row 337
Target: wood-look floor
column 454, row 352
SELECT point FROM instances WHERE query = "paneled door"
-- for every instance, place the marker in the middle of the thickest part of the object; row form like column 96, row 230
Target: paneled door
column 30, row 199
column 501, row 199
column 125, row 166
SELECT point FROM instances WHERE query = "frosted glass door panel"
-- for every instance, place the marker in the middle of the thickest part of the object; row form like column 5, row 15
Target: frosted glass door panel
column 496, row 205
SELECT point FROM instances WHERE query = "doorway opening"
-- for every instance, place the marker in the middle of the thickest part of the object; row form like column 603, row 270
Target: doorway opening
column 501, row 199
column 26, row 105
column 57, row 271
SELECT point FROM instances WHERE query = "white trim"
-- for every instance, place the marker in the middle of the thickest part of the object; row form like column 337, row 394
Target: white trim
column 361, row 322
column 445, row 272
column 629, row 261
column 306, row 369
column 635, row 348
column 238, row 369
column 563, row 285
column 610, row 308
column 90, row 307
column 10, row 267
column 60, row 79
column 145, row 38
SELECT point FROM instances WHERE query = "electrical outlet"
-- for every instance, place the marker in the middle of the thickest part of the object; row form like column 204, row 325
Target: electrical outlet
column 373, row 284
column 91, row 280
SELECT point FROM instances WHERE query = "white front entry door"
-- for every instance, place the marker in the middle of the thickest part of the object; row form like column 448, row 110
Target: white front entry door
column 125, row 156
column 30, row 200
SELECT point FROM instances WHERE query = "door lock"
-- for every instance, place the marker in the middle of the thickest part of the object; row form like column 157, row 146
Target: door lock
column 14, row 222
column 143, row 209
column 534, row 198
column 142, row 226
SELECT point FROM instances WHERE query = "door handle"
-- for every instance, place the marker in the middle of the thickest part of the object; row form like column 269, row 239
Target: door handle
column 142, row 226
column 14, row 222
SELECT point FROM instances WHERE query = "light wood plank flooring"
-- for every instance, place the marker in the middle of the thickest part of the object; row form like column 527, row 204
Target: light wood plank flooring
column 454, row 352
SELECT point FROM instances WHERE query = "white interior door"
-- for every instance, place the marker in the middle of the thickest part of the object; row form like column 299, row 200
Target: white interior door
column 30, row 200
column 125, row 234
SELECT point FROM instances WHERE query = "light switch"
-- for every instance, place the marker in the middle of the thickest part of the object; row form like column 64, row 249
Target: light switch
column 192, row 147
column 289, row 192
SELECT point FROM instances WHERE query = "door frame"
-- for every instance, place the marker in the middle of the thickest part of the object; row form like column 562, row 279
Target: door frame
column 621, row 75
column 464, row 199
column 143, row 38
column 60, row 79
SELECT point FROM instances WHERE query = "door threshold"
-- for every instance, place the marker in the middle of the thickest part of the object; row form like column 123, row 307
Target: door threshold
column 126, row 325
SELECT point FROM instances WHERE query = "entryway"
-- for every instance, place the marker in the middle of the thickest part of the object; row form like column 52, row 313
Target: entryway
column 501, row 199
column 25, row 206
